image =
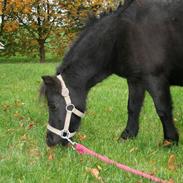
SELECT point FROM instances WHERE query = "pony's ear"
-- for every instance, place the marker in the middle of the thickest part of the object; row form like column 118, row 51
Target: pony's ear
column 48, row 80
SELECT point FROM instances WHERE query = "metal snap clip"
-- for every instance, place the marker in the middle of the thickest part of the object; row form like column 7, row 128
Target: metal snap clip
column 65, row 135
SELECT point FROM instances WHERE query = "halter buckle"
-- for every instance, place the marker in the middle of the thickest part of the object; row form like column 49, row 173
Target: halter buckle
column 65, row 92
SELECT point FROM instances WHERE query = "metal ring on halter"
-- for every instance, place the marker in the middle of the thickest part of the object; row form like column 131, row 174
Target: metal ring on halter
column 65, row 135
column 72, row 107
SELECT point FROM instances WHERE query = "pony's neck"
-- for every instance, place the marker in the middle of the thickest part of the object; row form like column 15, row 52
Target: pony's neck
column 83, row 76
column 80, row 80
column 91, row 59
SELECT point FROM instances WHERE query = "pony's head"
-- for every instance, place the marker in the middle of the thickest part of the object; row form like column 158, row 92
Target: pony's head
column 64, row 110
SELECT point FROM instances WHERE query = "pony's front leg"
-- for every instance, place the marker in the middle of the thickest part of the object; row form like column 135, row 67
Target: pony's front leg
column 135, row 101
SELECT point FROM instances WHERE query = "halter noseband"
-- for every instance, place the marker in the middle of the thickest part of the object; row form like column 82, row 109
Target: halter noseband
column 70, row 108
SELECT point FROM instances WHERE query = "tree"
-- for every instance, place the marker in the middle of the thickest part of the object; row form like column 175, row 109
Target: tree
column 40, row 20
column 38, row 17
column 2, row 10
column 75, row 15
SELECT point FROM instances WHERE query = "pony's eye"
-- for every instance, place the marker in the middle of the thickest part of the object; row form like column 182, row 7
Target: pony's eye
column 52, row 106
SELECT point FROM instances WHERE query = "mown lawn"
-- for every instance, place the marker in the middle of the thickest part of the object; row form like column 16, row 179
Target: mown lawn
column 26, row 59
column 24, row 156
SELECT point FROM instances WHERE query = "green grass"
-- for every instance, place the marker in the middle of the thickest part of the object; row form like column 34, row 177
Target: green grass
column 25, row 59
column 24, row 156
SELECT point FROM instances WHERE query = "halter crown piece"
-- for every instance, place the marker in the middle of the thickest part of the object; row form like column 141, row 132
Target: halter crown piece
column 70, row 108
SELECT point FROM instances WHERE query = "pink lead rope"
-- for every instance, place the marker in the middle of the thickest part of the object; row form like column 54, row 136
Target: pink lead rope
column 83, row 150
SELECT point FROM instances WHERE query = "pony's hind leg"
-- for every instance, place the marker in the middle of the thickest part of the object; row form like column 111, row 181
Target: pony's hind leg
column 159, row 89
column 135, row 101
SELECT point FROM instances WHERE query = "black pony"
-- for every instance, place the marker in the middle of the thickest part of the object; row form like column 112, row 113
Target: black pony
column 141, row 41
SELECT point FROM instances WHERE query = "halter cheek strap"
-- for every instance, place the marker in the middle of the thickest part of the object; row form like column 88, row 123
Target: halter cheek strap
column 70, row 108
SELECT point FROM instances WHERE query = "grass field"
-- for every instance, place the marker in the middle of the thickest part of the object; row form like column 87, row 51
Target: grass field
column 26, row 59
column 24, row 156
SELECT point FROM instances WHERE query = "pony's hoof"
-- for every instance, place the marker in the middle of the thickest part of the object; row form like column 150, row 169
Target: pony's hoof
column 121, row 140
column 169, row 143
column 126, row 134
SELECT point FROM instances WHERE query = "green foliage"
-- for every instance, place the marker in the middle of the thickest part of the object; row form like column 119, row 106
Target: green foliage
column 31, row 25
column 18, row 42
column 24, row 156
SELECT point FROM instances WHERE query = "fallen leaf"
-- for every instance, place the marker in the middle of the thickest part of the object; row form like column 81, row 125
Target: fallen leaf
column 91, row 113
column 82, row 137
column 23, row 137
column 171, row 181
column 167, row 143
column 95, row 172
column 5, row 107
column 35, row 153
column 30, row 125
column 152, row 173
column 18, row 116
column 171, row 162
column 21, row 118
column 153, row 161
column 21, row 124
column 18, row 103
column 51, row 155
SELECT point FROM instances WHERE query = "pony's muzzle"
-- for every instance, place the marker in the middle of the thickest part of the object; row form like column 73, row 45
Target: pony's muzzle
column 53, row 139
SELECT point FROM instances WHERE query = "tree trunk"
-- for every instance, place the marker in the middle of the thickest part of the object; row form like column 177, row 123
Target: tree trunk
column 4, row 3
column 42, row 51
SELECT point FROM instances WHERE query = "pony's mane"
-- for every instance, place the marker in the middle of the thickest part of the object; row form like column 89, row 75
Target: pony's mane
column 90, row 23
column 92, row 19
